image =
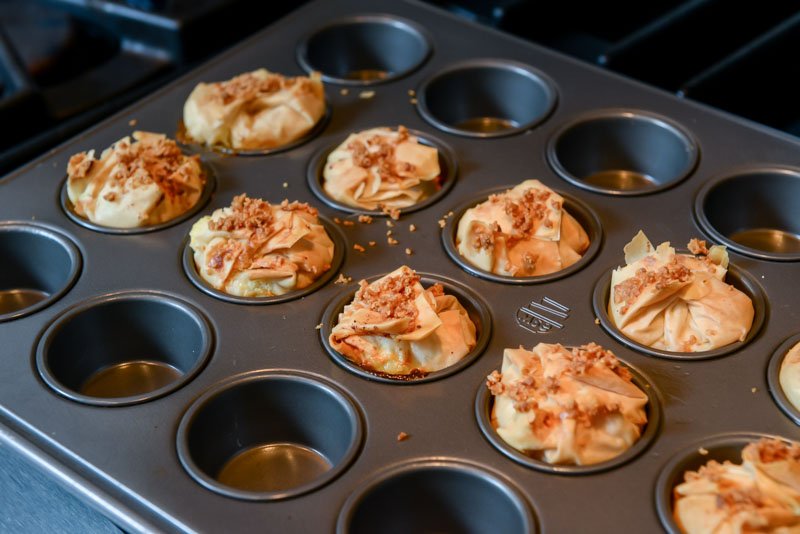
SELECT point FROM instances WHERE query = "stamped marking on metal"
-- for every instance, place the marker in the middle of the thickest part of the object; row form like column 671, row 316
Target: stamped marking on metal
column 540, row 317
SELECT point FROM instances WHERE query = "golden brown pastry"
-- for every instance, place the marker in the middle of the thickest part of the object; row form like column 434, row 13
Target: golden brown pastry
column 134, row 184
column 574, row 406
column 789, row 376
column 257, row 249
column 678, row 302
column 760, row 495
column 255, row 110
column 381, row 168
column 397, row 327
column 524, row 231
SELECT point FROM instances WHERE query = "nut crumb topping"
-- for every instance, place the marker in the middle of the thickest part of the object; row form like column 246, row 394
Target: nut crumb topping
column 392, row 297
column 528, row 212
column 628, row 291
column 251, row 85
column 774, row 450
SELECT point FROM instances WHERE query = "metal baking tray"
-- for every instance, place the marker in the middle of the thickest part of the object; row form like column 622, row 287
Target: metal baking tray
column 702, row 173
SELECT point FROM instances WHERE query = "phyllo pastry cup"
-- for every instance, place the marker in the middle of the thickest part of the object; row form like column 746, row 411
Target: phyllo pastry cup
column 524, row 231
column 397, row 327
column 678, row 302
column 382, row 168
column 255, row 110
column 762, row 494
column 136, row 183
column 257, row 249
column 575, row 406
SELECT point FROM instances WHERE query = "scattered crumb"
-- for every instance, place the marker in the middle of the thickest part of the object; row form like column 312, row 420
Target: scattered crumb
column 702, row 451
column 596, row 320
column 343, row 279
column 442, row 223
column 402, row 436
column 753, row 390
column 132, row 122
column 676, row 366
column 412, row 92
column 337, row 220
column 366, row 94
column 450, row 214
column 413, row 101
column 409, row 252
column 285, row 185
column 318, row 327
column 366, row 219
column 389, row 223
column 412, row 228
column 344, row 92
column 762, row 276
column 394, row 213
column 348, row 223
column 359, row 247
column 392, row 241
column 372, row 243
column 388, row 232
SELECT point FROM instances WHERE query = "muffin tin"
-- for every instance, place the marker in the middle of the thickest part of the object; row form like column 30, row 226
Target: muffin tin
column 260, row 387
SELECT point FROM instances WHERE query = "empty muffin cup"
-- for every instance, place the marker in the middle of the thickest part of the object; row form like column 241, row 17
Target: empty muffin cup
column 582, row 213
column 736, row 277
column 774, row 379
column 365, row 50
column 339, row 246
column 436, row 495
column 438, row 188
column 725, row 447
column 476, row 308
column 205, row 196
column 123, row 349
column 269, row 435
column 620, row 152
column 484, row 401
column 39, row 265
column 754, row 212
column 486, row 98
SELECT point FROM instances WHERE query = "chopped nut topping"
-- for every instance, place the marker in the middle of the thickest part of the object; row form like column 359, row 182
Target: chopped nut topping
column 628, row 291
column 365, row 219
column 774, row 450
column 250, row 85
column 342, row 279
column 392, row 297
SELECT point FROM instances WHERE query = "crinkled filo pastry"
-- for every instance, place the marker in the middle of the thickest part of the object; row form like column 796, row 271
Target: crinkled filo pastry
column 382, row 168
column 133, row 184
column 255, row 110
column 257, row 249
column 574, row 406
column 397, row 327
column 523, row 232
column 790, row 376
column 760, row 495
column 678, row 302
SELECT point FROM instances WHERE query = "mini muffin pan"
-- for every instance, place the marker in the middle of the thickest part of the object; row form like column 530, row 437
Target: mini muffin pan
column 172, row 409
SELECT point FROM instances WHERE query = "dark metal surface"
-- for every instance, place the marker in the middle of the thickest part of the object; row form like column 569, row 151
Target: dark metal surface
column 124, row 460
